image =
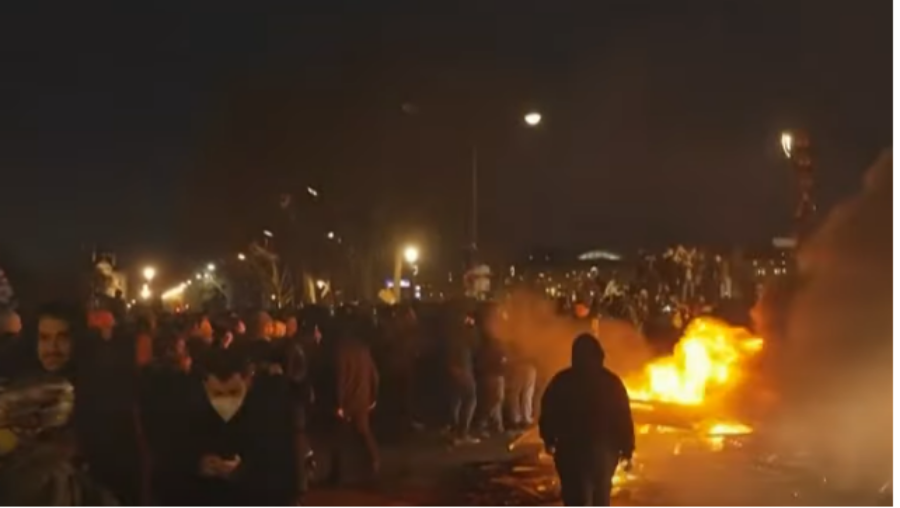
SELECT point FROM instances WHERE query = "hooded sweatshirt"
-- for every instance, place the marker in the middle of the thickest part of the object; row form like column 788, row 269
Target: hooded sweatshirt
column 586, row 406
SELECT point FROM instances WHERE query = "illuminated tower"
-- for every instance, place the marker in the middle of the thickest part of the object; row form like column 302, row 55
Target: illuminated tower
column 796, row 148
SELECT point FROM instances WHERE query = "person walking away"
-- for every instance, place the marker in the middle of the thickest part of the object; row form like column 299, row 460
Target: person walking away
column 240, row 438
column 357, row 389
column 586, row 425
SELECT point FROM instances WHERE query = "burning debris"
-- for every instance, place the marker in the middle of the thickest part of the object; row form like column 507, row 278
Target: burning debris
column 677, row 404
column 705, row 363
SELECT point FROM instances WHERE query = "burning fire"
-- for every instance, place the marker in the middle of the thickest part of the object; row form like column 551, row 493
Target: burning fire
column 706, row 358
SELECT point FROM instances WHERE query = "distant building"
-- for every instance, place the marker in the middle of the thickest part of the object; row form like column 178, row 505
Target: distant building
column 773, row 261
column 576, row 276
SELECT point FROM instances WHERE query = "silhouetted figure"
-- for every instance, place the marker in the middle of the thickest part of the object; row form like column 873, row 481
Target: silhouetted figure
column 586, row 424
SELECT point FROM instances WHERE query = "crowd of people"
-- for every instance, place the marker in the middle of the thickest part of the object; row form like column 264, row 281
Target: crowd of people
column 659, row 294
column 179, row 409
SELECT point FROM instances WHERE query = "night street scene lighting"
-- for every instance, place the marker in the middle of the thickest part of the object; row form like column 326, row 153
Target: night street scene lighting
column 397, row 254
column 411, row 254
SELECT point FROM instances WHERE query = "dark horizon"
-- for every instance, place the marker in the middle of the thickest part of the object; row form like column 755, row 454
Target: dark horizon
column 167, row 129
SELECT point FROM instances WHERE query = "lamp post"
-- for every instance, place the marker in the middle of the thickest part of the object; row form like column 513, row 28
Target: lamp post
column 410, row 254
column 148, row 273
column 796, row 146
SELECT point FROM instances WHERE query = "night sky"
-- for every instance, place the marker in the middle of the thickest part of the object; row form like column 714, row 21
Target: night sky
column 169, row 128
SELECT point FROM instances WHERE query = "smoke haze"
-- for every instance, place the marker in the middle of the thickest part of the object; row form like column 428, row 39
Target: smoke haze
column 836, row 361
column 529, row 325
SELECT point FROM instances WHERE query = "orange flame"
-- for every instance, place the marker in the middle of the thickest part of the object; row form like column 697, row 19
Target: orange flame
column 706, row 358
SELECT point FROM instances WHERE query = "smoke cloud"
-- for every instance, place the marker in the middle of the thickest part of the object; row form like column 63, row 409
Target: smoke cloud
column 528, row 324
column 830, row 361
column 836, row 361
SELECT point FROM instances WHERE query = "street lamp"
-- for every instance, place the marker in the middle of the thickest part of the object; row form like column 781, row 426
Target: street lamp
column 411, row 254
column 787, row 143
column 533, row 119
column 149, row 273
column 241, row 256
column 210, row 267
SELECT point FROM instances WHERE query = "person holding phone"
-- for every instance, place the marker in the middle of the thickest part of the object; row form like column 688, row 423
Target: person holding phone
column 240, row 438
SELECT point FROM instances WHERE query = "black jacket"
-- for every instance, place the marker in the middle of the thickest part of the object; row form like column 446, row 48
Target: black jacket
column 263, row 433
column 14, row 353
column 586, row 406
column 107, row 418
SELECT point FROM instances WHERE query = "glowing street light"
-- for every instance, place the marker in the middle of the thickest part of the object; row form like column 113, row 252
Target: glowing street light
column 241, row 256
column 330, row 235
column 533, row 119
column 175, row 292
column 787, row 143
column 149, row 273
column 210, row 267
column 268, row 233
column 411, row 254
column 320, row 284
column 312, row 192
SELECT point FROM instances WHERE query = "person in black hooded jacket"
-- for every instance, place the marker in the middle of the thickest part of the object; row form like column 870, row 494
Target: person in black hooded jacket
column 586, row 425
